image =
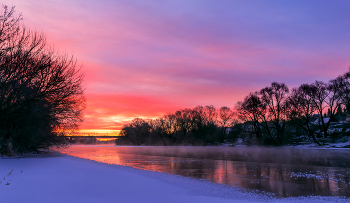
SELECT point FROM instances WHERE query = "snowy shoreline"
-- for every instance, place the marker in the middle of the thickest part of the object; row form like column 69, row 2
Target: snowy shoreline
column 54, row 177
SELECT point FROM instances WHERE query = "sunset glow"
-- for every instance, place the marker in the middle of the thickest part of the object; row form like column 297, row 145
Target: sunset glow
column 91, row 132
column 143, row 59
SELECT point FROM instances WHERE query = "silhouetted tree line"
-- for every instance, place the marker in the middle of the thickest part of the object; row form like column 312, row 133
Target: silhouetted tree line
column 311, row 111
column 274, row 115
column 197, row 126
column 40, row 90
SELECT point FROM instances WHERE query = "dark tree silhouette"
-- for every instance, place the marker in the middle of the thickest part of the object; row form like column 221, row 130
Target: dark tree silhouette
column 226, row 115
column 302, row 110
column 204, row 125
column 265, row 112
column 252, row 111
column 196, row 126
column 136, row 132
column 323, row 99
column 41, row 95
column 274, row 98
column 346, row 92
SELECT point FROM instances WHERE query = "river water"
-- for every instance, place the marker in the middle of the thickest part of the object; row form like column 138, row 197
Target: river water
column 283, row 171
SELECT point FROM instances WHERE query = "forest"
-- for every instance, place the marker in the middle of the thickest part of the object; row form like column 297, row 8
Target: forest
column 316, row 113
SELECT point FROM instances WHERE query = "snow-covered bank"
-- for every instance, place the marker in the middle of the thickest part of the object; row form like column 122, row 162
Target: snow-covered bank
column 61, row 178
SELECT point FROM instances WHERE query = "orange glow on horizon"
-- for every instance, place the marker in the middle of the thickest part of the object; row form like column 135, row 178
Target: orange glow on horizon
column 97, row 132
column 106, row 139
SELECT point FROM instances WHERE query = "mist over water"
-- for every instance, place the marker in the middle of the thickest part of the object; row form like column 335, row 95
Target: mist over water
column 282, row 171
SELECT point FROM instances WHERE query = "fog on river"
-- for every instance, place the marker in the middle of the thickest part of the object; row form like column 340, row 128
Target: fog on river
column 282, row 171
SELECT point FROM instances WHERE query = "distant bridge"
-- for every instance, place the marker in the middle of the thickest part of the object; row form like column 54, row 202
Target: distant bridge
column 93, row 136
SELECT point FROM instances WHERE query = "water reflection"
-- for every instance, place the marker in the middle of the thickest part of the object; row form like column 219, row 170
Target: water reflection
column 285, row 172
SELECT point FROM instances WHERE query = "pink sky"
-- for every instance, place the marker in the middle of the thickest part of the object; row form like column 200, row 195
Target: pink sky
column 148, row 58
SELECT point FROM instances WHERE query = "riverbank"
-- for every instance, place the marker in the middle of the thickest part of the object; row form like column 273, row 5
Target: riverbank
column 53, row 177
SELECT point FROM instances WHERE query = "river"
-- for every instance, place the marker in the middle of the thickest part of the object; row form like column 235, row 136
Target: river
column 283, row 171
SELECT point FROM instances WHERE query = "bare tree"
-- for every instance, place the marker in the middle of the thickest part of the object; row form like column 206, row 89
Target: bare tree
column 36, row 84
column 226, row 115
column 325, row 97
column 274, row 97
column 252, row 111
column 302, row 109
column 266, row 111
column 136, row 132
column 346, row 92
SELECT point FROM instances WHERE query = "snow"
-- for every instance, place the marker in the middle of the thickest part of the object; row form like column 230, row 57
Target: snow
column 54, row 177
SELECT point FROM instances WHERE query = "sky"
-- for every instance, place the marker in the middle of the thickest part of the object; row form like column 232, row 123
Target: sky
column 148, row 58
